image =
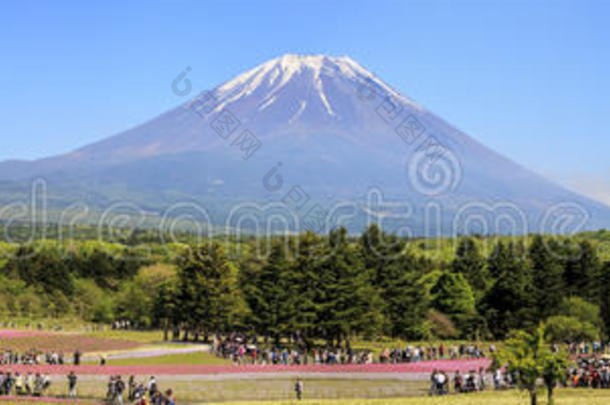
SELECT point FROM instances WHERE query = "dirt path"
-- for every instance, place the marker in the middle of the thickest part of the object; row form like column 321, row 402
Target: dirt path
column 143, row 353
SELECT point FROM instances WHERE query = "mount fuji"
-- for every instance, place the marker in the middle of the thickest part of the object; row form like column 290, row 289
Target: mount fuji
column 303, row 137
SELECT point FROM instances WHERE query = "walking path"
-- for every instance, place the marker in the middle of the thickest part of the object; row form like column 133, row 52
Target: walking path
column 147, row 352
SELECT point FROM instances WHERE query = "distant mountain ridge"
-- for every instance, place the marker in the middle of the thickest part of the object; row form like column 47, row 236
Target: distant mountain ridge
column 331, row 133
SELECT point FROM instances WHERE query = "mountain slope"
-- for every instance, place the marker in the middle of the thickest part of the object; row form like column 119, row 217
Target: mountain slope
column 336, row 134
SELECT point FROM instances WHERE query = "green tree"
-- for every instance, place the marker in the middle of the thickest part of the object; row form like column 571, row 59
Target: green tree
column 582, row 270
column 453, row 296
column 529, row 357
column 471, row 264
column 508, row 302
column 269, row 296
column 562, row 328
column 582, row 310
column 604, row 296
column 396, row 275
column 547, row 276
column 347, row 301
column 303, row 279
column 209, row 298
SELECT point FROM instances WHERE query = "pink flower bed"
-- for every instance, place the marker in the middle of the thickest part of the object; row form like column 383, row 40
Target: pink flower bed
column 15, row 333
column 23, row 340
column 421, row 367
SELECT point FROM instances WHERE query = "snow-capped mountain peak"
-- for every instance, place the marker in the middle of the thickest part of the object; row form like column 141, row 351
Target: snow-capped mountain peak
column 317, row 79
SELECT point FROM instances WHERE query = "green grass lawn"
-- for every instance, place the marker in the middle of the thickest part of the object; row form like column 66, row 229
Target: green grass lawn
column 172, row 359
column 154, row 336
column 332, row 392
column 192, row 392
column 563, row 397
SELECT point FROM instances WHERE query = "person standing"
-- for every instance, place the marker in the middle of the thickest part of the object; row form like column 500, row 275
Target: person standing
column 119, row 388
column 131, row 388
column 29, row 383
column 38, row 385
column 77, row 355
column 298, row 389
column 72, row 385
column 19, row 384
column 9, row 381
column 169, row 397
column 152, row 386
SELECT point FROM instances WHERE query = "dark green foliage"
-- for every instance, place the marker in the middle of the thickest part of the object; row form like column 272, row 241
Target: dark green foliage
column 605, row 296
column 471, row 264
column 43, row 268
column 547, row 276
column 582, row 270
column 395, row 274
column 453, row 296
column 209, row 298
column 308, row 288
column 269, row 294
column 347, row 303
column 509, row 301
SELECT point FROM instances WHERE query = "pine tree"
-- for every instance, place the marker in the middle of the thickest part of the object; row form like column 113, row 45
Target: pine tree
column 604, row 296
column 508, row 302
column 270, row 294
column 209, row 297
column 395, row 274
column 471, row 264
column 547, row 276
column 304, row 283
column 453, row 296
column 582, row 270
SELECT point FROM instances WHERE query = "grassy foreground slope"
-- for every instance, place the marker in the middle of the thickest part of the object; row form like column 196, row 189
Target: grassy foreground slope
column 563, row 397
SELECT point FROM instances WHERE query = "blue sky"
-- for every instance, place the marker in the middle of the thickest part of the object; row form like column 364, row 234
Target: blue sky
column 530, row 79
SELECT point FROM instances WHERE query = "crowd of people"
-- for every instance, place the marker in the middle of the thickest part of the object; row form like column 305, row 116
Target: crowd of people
column 137, row 392
column 411, row 354
column 20, row 384
column 462, row 383
column 131, row 391
column 242, row 349
column 35, row 357
column 591, row 368
column 589, row 372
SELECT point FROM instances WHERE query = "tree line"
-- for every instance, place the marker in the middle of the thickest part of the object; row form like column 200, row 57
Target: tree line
column 309, row 287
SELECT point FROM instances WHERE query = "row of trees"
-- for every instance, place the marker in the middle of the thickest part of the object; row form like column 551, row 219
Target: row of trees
column 518, row 286
column 336, row 288
column 311, row 287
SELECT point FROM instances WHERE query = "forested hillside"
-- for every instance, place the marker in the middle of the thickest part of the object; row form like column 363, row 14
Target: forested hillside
column 332, row 287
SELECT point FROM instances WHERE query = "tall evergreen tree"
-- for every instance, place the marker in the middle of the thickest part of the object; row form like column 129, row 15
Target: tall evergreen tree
column 471, row 264
column 582, row 270
column 395, row 274
column 547, row 276
column 604, row 297
column 209, row 296
column 348, row 303
column 303, row 279
column 453, row 296
column 270, row 292
column 508, row 302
